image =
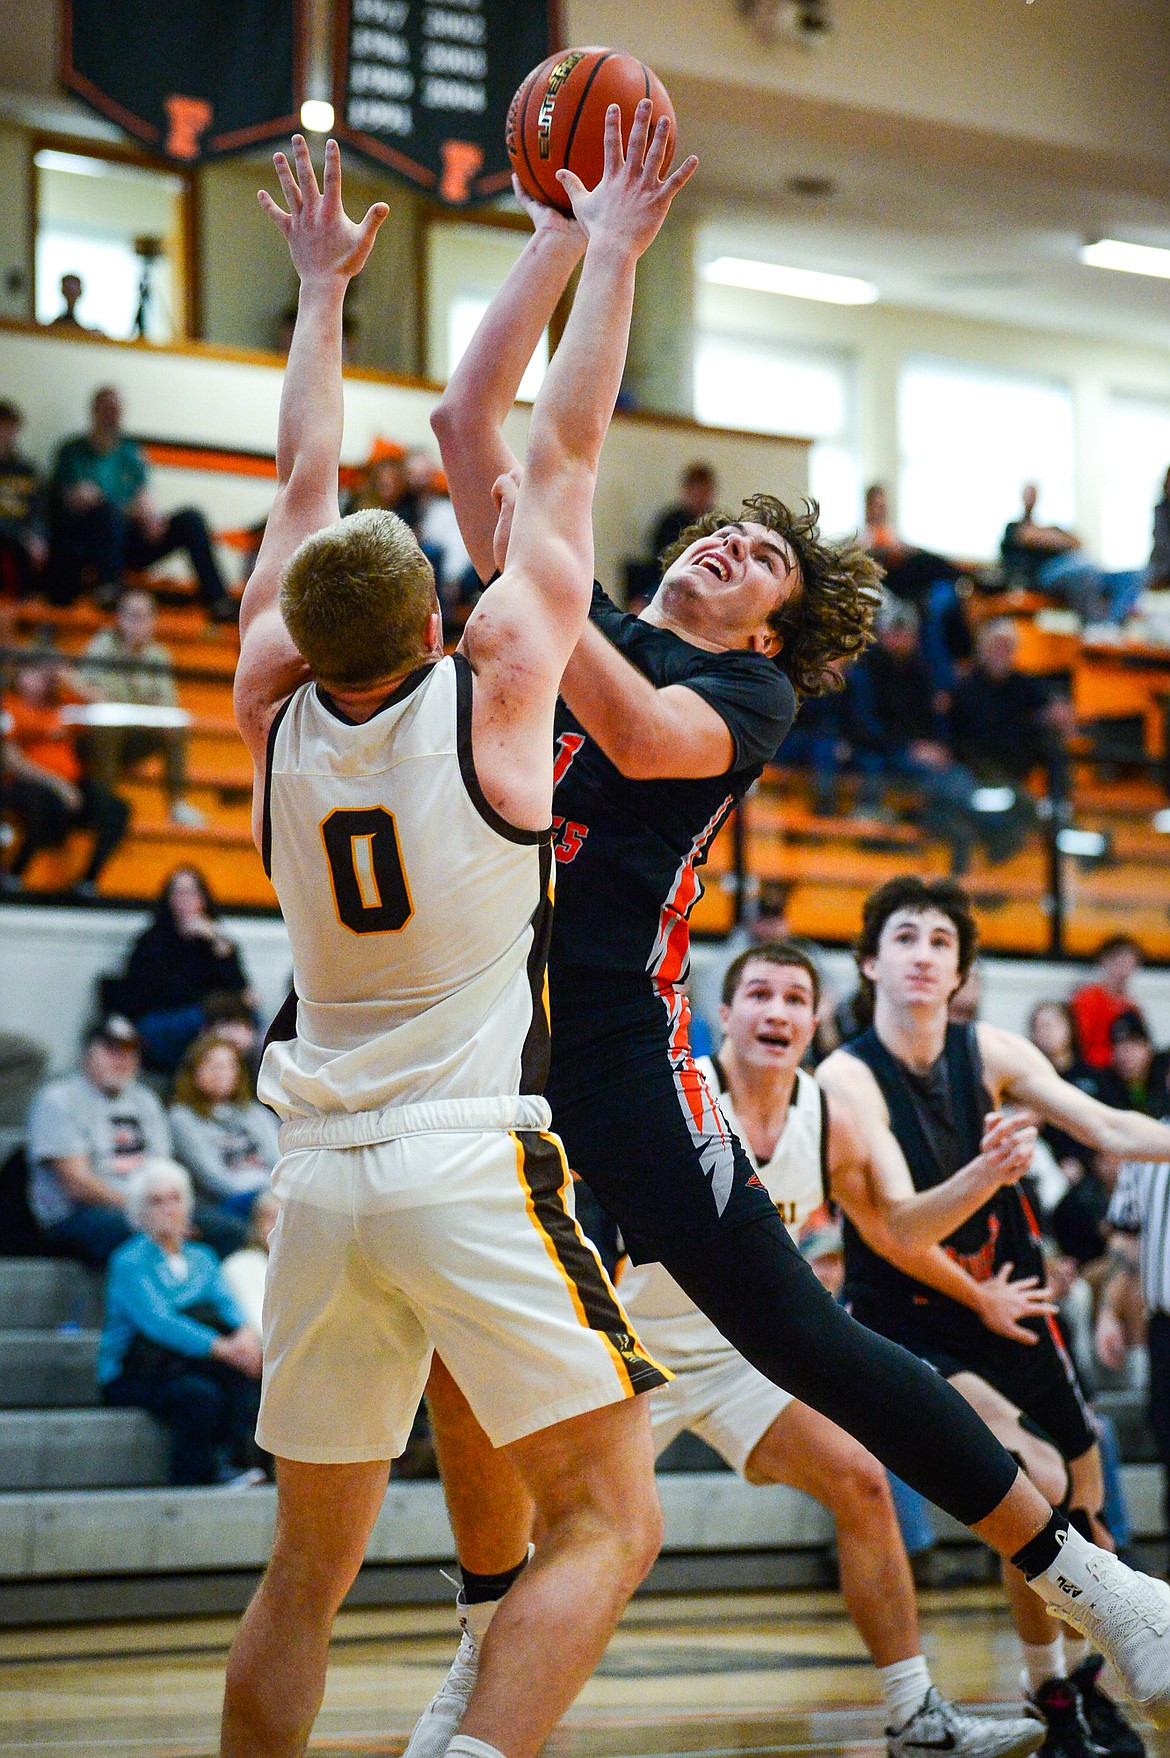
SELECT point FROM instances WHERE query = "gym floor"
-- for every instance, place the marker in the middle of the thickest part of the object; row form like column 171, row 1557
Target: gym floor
column 692, row 1676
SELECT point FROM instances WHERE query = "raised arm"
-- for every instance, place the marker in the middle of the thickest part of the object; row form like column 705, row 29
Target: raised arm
column 524, row 628
column 1018, row 1071
column 327, row 250
column 469, row 417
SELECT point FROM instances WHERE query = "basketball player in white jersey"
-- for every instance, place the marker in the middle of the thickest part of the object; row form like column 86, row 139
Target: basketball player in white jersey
column 806, row 1150
column 402, row 805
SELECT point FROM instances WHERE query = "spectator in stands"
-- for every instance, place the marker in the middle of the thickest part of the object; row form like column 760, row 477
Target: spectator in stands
column 72, row 293
column 1051, row 1029
column 698, row 491
column 1078, row 1222
column 245, row 1271
column 1136, row 1078
column 1157, row 575
column 24, row 547
column 1098, row 1003
column 130, row 666
column 434, row 523
column 817, row 742
column 104, row 520
column 927, row 581
column 1047, row 558
column 174, row 1340
column 41, row 774
column 1134, row 1306
column 897, row 736
column 87, row 1134
column 180, row 960
column 224, row 1137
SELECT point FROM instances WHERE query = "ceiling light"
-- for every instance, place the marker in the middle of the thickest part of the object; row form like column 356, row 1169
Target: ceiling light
column 317, row 115
column 1131, row 259
column 770, row 277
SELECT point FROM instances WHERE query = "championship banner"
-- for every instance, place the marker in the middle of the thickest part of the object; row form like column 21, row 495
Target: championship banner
column 190, row 79
column 423, row 86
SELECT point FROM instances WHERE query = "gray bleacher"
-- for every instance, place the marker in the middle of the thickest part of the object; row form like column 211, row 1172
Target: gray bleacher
column 88, row 1527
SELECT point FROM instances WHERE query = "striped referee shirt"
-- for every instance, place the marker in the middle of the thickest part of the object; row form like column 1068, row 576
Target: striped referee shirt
column 1141, row 1204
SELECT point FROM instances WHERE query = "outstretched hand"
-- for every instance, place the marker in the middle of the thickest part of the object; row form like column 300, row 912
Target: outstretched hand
column 545, row 218
column 323, row 241
column 633, row 198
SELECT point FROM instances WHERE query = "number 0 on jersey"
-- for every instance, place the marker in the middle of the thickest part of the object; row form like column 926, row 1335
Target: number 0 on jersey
column 370, row 889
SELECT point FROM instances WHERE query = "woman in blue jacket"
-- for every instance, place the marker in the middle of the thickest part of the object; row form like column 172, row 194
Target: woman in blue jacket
column 174, row 1341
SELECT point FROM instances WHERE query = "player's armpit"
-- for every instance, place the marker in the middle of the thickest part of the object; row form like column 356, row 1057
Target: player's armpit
column 270, row 668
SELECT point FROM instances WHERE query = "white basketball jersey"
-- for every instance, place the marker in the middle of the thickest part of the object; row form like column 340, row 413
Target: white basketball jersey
column 419, row 918
column 796, row 1178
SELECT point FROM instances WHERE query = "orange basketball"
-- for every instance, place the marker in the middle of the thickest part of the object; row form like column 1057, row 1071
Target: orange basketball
column 557, row 118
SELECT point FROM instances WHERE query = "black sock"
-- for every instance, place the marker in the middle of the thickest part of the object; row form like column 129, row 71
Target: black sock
column 1082, row 1521
column 1042, row 1551
column 479, row 1589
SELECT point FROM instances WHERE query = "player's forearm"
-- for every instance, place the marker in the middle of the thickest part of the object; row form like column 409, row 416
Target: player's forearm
column 930, row 1215
column 483, row 387
column 576, row 401
column 1130, row 1134
column 311, row 401
column 615, row 704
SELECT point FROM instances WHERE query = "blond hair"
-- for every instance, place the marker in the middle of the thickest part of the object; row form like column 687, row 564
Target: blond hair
column 356, row 596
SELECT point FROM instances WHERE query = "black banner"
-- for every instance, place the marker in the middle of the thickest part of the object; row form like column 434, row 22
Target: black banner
column 191, row 78
column 423, row 86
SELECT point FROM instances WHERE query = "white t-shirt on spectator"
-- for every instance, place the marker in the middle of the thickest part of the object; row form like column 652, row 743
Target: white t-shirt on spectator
column 71, row 1116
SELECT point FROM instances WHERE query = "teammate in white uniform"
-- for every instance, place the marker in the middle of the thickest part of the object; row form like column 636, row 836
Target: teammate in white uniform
column 402, row 805
column 803, row 1147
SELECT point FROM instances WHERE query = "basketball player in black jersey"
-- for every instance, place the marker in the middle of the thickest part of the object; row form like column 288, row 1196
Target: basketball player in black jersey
column 922, row 1090
column 668, row 719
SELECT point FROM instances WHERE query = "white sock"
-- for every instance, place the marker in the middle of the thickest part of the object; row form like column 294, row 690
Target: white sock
column 463, row 1746
column 1043, row 1661
column 1077, row 1649
column 904, row 1685
column 1065, row 1581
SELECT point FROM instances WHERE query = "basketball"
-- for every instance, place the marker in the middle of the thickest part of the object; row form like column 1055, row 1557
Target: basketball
column 557, row 118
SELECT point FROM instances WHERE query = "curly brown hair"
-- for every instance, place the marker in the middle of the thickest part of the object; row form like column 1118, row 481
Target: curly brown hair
column 829, row 618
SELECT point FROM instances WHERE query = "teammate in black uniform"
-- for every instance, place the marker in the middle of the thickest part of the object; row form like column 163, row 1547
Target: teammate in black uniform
column 670, row 718
column 980, row 1314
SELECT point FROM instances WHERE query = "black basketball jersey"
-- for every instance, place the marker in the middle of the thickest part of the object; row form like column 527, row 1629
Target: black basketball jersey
column 938, row 1122
column 628, row 851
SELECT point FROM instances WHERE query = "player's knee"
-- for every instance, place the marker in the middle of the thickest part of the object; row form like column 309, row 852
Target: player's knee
column 861, row 1493
column 645, row 1534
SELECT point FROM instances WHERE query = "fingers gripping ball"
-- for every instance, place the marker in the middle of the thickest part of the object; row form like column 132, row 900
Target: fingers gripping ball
column 556, row 121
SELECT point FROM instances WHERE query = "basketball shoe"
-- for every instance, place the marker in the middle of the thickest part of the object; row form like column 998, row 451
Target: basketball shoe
column 1124, row 1614
column 1104, row 1719
column 439, row 1722
column 1066, row 1733
column 939, row 1726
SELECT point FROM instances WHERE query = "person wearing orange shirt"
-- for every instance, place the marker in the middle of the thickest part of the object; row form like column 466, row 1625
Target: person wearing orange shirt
column 41, row 776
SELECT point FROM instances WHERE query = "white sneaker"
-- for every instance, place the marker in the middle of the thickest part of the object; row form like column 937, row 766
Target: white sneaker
column 439, row 1722
column 1124, row 1614
column 252, row 1478
column 939, row 1726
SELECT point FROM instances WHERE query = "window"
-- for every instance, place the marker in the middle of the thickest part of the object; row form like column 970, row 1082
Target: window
column 121, row 227
column 465, row 264
column 970, row 436
column 1133, row 467
column 771, row 387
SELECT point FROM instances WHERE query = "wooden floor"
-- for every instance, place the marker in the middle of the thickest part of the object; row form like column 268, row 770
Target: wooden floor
column 685, row 1677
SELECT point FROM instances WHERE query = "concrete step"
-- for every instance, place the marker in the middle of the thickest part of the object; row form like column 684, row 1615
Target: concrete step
column 80, row 1449
column 40, row 1293
column 55, row 1535
column 48, row 1370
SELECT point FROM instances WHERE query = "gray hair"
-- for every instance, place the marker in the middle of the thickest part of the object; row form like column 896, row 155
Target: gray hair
column 157, row 1172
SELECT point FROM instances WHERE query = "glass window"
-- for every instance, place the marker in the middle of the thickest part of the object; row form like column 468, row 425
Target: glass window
column 465, row 264
column 970, row 436
column 779, row 388
column 120, row 228
column 1135, row 459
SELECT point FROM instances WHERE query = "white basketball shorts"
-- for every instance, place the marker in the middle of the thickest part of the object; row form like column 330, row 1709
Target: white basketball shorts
column 715, row 1393
column 460, row 1240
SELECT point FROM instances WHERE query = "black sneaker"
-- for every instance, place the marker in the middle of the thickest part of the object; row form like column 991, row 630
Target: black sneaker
column 1106, row 1723
column 1068, row 1733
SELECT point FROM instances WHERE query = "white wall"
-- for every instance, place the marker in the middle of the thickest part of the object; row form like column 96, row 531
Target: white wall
column 880, row 336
